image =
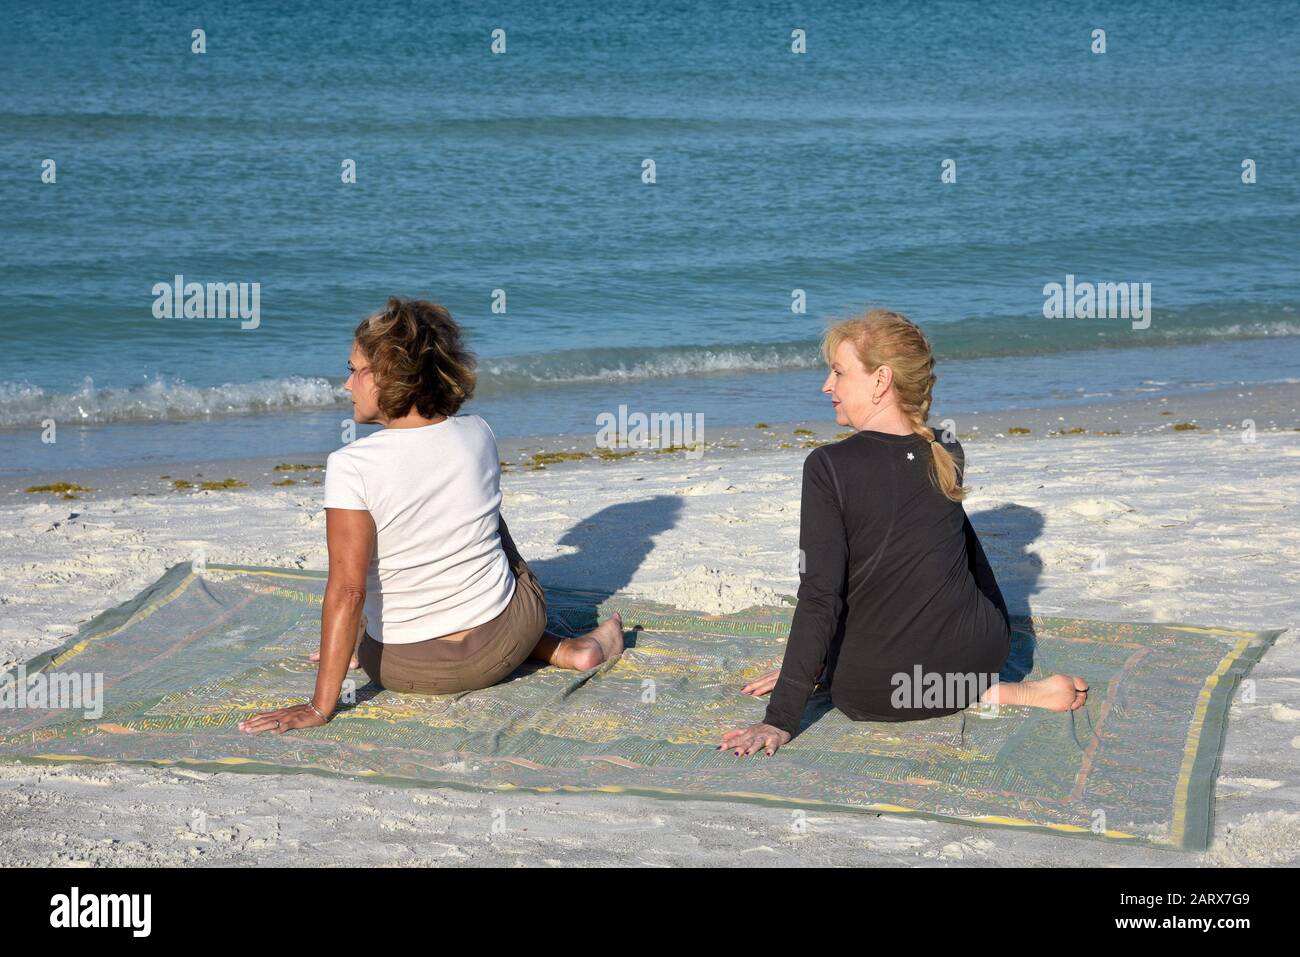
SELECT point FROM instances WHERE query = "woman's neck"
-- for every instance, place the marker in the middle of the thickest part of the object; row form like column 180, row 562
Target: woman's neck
column 412, row 420
column 889, row 420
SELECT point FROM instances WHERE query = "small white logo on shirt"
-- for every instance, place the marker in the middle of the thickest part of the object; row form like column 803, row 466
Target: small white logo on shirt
column 910, row 456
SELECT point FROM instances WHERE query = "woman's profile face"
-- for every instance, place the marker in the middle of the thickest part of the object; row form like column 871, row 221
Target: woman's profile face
column 849, row 385
column 361, row 383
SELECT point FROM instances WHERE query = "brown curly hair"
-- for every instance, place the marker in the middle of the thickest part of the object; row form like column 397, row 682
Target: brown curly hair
column 418, row 356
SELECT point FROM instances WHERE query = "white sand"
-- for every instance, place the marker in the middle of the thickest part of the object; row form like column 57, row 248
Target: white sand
column 1193, row 526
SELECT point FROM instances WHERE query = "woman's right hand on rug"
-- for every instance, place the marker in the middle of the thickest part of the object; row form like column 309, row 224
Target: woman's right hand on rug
column 762, row 684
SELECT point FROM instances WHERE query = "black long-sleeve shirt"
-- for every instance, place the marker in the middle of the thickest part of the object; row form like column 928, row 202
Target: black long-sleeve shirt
column 894, row 578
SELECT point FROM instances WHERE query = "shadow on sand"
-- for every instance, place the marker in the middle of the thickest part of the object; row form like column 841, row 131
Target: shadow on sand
column 1015, row 528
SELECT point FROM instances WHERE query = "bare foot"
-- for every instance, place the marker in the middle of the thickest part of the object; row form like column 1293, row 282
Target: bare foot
column 361, row 631
column 585, row 652
column 1057, row 693
column 315, row 656
column 609, row 635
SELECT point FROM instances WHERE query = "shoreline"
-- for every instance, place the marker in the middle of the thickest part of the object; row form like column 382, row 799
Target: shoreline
column 1273, row 407
column 725, row 400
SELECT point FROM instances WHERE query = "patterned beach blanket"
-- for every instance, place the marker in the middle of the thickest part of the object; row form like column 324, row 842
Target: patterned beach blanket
column 190, row 657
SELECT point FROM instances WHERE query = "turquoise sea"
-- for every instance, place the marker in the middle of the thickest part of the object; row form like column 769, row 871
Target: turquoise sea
column 523, row 171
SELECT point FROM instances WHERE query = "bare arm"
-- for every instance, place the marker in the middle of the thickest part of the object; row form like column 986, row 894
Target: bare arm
column 350, row 534
column 350, row 537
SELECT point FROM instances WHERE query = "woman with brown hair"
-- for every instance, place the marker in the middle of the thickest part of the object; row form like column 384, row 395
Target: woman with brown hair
column 425, row 583
column 895, row 589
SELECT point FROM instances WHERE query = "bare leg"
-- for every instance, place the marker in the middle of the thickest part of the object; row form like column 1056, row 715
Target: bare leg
column 578, row 654
column 585, row 652
column 1057, row 693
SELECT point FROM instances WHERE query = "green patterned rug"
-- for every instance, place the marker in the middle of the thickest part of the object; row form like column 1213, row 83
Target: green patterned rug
column 191, row 656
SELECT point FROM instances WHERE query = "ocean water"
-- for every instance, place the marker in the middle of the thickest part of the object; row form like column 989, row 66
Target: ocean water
column 523, row 172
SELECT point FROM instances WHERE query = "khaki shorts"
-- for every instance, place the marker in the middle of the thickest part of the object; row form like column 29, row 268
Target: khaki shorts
column 485, row 656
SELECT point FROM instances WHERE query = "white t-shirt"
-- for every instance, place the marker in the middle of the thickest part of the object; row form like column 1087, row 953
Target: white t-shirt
column 435, row 495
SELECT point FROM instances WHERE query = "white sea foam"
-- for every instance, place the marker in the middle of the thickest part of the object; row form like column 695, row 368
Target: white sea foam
column 625, row 364
column 165, row 399
column 161, row 399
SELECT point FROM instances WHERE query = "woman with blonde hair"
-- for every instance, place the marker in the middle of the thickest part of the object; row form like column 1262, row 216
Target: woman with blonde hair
column 425, row 583
column 894, row 585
